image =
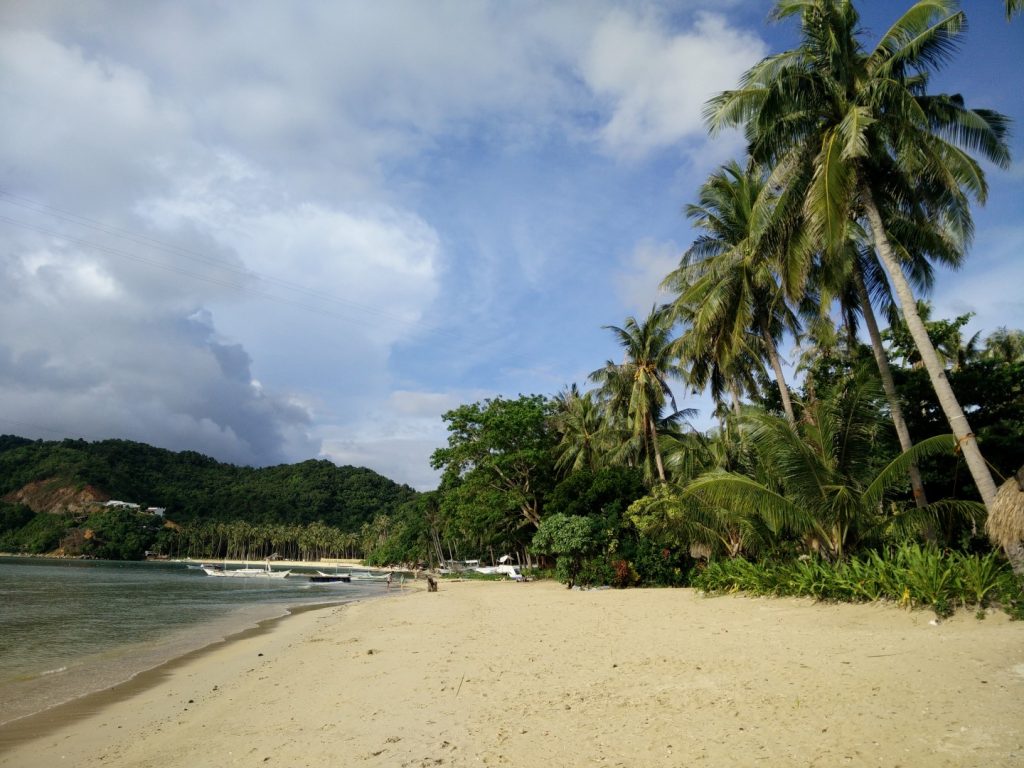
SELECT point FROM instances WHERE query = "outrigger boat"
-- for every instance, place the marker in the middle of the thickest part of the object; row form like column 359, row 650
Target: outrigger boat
column 245, row 573
column 330, row 578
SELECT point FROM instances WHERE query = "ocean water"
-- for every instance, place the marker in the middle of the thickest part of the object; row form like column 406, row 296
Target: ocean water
column 70, row 627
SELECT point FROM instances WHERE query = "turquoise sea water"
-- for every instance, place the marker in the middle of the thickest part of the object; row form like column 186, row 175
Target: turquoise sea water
column 71, row 627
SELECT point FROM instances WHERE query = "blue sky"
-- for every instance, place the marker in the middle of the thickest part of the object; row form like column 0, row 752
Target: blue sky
column 274, row 231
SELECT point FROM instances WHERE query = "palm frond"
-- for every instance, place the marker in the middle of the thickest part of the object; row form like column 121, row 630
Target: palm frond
column 896, row 470
column 926, row 36
column 828, row 198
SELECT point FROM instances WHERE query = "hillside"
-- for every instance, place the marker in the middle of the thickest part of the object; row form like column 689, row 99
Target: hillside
column 57, row 476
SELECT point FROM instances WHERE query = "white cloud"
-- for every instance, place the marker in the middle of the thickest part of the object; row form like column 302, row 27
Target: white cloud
column 638, row 280
column 74, row 122
column 657, row 82
column 992, row 288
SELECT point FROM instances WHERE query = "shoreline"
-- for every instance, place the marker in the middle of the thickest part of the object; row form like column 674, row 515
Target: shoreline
column 499, row 673
column 21, row 730
column 84, row 678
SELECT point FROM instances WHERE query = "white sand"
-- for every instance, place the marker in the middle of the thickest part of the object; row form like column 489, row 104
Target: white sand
column 489, row 674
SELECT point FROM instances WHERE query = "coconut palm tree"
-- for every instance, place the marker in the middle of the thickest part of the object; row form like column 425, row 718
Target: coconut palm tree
column 1004, row 345
column 856, row 282
column 670, row 516
column 821, row 480
column 637, row 388
column 725, row 373
column 846, row 130
column 728, row 293
column 579, row 419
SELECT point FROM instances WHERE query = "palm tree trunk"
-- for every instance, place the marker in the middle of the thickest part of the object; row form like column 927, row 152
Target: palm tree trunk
column 943, row 391
column 658, row 463
column 734, row 392
column 885, row 372
column 780, row 379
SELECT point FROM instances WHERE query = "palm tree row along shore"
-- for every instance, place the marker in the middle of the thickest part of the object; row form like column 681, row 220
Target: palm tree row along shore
column 856, row 189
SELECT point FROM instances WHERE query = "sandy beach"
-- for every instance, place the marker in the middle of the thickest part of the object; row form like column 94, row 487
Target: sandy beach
column 491, row 674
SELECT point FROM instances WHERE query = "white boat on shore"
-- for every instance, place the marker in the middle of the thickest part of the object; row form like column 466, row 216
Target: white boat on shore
column 330, row 578
column 244, row 573
column 509, row 571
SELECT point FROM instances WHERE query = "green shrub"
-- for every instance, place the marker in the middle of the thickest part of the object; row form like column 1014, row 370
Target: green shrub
column 980, row 576
column 1010, row 594
column 595, row 571
column 655, row 565
column 931, row 578
column 909, row 575
column 41, row 534
column 14, row 516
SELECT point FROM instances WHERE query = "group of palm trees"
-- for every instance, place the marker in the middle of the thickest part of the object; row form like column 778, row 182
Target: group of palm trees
column 858, row 181
column 244, row 540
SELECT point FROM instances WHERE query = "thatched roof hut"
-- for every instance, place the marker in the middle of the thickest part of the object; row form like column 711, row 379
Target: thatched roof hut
column 1005, row 524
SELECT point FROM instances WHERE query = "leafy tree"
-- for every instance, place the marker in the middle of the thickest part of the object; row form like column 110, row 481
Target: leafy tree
column 40, row 534
column 993, row 392
column 500, row 457
column 671, row 517
column 604, row 494
column 121, row 534
column 946, row 336
column 14, row 516
column 570, row 538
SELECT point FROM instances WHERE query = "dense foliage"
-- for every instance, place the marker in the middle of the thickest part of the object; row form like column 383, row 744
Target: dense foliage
column 193, row 487
column 309, row 509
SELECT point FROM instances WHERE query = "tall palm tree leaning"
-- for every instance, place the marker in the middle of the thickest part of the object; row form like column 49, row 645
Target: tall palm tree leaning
column 857, row 281
column 848, row 129
column 727, row 289
column 638, row 386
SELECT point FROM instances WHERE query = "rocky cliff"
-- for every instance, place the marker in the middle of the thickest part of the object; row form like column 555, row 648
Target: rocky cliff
column 56, row 495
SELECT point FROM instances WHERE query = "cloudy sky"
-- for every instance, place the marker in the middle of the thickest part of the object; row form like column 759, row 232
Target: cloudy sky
column 271, row 231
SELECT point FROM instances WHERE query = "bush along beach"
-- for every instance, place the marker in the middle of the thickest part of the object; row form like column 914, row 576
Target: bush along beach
column 910, row 575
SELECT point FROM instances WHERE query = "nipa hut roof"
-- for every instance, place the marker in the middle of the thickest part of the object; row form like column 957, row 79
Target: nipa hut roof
column 1005, row 524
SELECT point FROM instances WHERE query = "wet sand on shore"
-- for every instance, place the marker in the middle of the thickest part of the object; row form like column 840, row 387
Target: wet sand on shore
column 488, row 674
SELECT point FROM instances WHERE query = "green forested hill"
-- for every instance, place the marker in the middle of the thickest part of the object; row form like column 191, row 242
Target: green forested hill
column 194, row 487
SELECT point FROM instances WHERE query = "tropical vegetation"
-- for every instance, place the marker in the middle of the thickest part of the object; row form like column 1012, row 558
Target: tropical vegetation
column 856, row 477
column 210, row 509
column 859, row 475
